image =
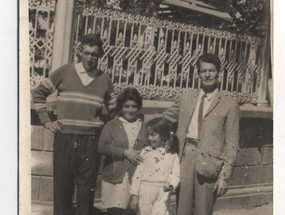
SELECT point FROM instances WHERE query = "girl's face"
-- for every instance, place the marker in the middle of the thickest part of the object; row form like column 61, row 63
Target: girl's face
column 130, row 110
column 154, row 138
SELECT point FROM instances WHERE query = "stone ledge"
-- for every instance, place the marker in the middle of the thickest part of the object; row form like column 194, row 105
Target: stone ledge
column 42, row 163
column 245, row 197
column 42, row 188
column 244, row 201
column 251, row 175
column 247, row 111
column 240, row 197
column 156, row 106
column 37, row 137
column 35, row 188
column 267, row 154
column 46, row 208
column 250, row 189
column 46, row 189
column 249, row 156
column 41, row 208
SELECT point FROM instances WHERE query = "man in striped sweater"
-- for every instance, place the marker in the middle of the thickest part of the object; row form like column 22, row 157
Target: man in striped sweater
column 82, row 91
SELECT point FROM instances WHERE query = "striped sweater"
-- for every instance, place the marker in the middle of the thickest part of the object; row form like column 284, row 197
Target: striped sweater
column 79, row 107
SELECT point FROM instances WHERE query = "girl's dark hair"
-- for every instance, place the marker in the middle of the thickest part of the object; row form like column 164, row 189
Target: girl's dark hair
column 129, row 94
column 162, row 127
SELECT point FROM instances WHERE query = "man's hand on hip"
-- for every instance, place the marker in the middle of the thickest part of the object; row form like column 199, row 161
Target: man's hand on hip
column 55, row 126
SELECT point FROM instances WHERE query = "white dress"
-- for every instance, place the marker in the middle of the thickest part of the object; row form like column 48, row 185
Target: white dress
column 157, row 169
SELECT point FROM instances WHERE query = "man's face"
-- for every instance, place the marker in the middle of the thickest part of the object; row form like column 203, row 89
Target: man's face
column 209, row 76
column 89, row 57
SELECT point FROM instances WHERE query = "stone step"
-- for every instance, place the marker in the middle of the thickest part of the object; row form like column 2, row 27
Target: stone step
column 243, row 197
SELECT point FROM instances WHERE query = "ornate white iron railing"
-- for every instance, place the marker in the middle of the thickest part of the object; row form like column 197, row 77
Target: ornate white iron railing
column 41, row 24
column 158, row 56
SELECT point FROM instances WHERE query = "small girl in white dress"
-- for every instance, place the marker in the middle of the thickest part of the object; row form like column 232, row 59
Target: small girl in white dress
column 159, row 172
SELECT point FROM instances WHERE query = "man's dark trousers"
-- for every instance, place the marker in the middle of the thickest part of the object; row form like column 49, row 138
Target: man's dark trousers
column 76, row 163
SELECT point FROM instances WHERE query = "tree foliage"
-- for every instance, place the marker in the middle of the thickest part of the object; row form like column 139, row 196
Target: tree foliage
column 246, row 14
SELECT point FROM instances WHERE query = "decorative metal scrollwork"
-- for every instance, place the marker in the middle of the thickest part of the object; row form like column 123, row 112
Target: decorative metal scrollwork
column 159, row 57
column 41, row 24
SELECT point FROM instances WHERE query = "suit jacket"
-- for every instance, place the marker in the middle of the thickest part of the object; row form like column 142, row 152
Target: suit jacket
column 112, row 143
column 219, row 134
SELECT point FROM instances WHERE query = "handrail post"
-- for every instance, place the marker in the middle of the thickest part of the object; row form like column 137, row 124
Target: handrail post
column 265, row 56
column 62, row 33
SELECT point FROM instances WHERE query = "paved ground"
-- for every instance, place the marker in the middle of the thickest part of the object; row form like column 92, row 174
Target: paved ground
column 261, row 210
column 45, row 209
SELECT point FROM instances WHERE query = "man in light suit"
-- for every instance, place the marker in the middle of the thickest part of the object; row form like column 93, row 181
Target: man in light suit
column 208, row 133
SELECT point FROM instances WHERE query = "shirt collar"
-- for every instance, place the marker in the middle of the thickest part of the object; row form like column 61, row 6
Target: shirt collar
column 81, row 70
column 125, row 121
column 160, row 149
column 210, row 95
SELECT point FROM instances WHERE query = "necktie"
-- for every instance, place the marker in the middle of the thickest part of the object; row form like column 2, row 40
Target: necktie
column 200, row 114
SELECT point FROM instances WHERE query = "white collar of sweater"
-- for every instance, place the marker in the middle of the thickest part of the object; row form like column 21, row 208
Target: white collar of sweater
column 81, row 72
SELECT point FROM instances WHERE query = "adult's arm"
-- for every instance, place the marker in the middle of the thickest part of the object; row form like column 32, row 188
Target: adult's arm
column 108, row 148
column 110, row 99
column 46, row 88
column 174, row 177
column 172, row 113
column 231, row 141
column 105, row 143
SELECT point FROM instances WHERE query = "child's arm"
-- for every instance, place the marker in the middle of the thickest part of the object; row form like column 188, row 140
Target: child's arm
column 137, row 177
column 174, row 177
column 168, row 188
column 134, row 202
column 136, row 182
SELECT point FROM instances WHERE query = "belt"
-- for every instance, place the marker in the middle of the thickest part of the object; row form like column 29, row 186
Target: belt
column 192, row 141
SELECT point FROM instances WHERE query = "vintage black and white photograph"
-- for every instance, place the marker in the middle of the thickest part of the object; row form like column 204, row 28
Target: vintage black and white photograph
column 150, row 107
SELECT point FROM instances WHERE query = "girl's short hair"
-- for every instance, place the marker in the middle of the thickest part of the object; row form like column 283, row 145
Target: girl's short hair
column 129, row 94
column 162, row 127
